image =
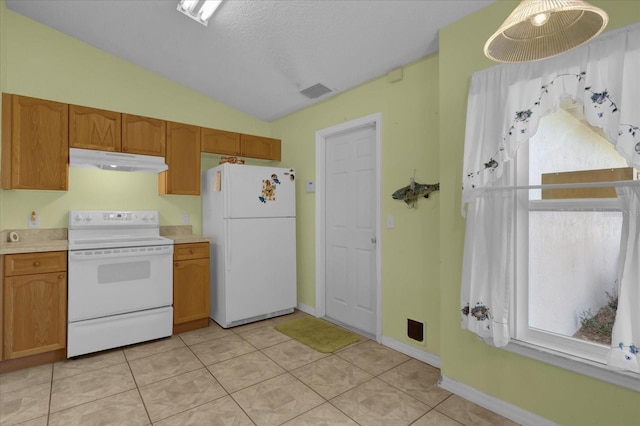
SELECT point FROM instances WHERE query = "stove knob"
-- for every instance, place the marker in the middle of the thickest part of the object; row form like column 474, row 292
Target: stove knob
column 87, row 219
column 77, row 218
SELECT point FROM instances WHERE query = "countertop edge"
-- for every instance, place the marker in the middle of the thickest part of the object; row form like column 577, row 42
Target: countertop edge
column 63, row 245
column 33, row 247
column 187, row 239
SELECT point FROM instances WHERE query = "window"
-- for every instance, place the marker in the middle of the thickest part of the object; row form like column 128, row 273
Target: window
column 568, row 239
column 536, row 262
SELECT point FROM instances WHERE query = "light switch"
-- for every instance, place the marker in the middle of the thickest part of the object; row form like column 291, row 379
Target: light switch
column 390, row 222
column 310, row 186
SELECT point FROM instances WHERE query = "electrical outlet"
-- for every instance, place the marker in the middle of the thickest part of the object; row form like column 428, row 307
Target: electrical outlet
column 390, row 222
column 185, row 218
column 33, row 220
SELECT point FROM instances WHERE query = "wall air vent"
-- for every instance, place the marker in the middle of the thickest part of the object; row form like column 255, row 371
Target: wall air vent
column 315, row 91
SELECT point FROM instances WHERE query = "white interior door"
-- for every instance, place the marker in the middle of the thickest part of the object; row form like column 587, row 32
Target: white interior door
column 351, row 227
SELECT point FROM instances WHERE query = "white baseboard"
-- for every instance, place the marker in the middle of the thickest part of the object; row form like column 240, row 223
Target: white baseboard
column 411, row 351
column 306, row 309
column 496, row 405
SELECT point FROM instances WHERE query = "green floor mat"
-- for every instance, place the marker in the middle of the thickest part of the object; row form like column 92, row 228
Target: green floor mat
column 317, row 334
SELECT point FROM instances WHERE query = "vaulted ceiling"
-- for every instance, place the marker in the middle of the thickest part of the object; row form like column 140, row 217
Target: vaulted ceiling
column 258, row 55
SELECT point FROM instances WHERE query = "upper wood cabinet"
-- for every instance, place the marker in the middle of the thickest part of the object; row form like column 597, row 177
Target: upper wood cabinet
column 35, row 143
column 220, row 142
column 231, row 143
column 183, row 159
column 143, row 135
column 91, row 128
column 260, row 147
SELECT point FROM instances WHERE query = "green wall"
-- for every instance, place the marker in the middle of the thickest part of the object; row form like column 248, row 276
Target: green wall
column 409, row 109
column 559, row 395
column 423, row 121
column 39, row 61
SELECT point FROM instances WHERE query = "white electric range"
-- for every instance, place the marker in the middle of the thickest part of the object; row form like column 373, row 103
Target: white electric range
column 120, row 280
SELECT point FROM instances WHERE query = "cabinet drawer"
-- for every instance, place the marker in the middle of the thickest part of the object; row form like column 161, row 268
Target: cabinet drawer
column 35, row 263
column 190, row 251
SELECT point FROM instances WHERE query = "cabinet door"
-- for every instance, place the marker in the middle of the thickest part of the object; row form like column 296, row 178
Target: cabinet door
column 35, row 143
column 220, row 142
column 190, row 290
column 143, row 135
column 183, row 159
column 35, row 309
column 91, row 128
column 260, row 147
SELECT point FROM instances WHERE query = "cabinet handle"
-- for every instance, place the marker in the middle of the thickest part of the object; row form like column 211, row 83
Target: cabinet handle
column 190, row 251
column 176, row 264
column 61, row 276
column 36, row 263
column 125, row 149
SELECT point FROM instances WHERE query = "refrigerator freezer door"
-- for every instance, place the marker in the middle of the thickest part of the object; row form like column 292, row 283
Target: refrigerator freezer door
column 260, row 262
column 254, row 191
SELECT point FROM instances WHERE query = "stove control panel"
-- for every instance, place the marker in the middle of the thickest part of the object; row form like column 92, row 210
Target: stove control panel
column 99, row 218
column 117, row 216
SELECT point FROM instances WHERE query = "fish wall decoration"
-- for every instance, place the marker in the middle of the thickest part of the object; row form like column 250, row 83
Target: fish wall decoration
column 410, row 193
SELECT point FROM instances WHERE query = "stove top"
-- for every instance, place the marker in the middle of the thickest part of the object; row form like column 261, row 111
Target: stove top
column 98, row 229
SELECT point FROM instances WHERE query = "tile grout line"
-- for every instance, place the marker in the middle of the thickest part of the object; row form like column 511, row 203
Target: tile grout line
column 53, row 366
column 261, row 351
column 146, row 410
column 190, row 408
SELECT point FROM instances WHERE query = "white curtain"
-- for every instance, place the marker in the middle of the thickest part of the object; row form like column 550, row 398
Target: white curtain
column 504, row 108
column 488, row 256
column 625, row 337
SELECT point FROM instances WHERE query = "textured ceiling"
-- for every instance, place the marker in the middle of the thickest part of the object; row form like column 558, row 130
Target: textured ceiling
column 257, row 55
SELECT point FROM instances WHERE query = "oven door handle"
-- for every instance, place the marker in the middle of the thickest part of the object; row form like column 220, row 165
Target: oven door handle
column 85, row 255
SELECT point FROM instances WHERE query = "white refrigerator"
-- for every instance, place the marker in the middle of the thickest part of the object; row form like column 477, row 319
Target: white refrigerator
column 249, row 214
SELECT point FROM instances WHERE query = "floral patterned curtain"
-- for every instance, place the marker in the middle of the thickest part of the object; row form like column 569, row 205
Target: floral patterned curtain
column 625, row 337
column 504, row 108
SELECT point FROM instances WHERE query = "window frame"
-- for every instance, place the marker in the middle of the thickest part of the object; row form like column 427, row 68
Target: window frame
column 519, row 327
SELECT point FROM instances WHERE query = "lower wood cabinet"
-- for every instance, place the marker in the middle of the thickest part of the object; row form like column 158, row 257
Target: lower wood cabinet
column 190, row 287
column 34, row 304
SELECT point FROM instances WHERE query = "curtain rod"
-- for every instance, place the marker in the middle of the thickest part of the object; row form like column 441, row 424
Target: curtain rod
column 560, row 185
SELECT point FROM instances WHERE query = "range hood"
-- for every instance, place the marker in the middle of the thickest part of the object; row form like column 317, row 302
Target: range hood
column 117, row 161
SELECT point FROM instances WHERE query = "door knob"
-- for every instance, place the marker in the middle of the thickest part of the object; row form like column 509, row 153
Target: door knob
column 373, row 240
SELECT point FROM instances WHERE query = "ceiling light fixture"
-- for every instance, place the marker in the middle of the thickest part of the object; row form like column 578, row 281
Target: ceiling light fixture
column 198, row 10
column 539, row 29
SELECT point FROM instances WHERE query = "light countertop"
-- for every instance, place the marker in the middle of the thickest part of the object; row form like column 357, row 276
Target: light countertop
column 34, row 240
column 43, row 240
column 186, row 239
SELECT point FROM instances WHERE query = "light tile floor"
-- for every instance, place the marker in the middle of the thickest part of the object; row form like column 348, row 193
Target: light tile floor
column 248, row 375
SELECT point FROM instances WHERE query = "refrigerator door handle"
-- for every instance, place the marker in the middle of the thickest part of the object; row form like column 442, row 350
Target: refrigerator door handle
column 227, row 244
